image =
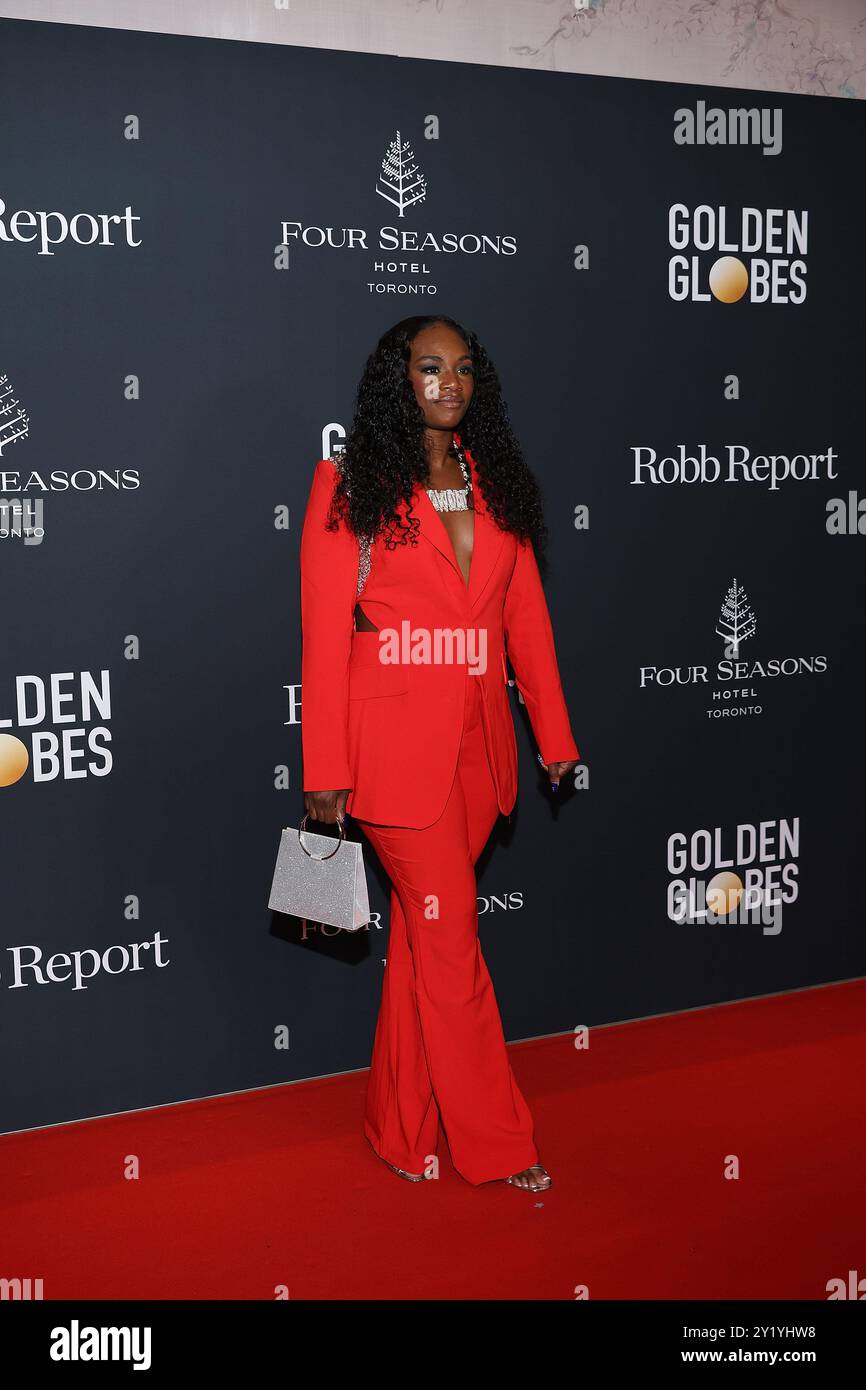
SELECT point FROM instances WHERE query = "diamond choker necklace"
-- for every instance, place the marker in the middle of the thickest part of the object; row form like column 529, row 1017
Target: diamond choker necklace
column 454, row 499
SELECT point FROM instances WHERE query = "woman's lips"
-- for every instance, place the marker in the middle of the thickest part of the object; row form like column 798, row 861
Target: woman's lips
column 452, row 403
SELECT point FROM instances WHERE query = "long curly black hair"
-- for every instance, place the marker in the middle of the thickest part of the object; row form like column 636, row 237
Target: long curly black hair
column 384, row 453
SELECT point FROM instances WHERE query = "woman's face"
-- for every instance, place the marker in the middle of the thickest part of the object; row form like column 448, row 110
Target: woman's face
column 441, row 374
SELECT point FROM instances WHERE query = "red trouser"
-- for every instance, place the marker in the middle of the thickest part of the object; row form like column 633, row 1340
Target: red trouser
column 439, row 1050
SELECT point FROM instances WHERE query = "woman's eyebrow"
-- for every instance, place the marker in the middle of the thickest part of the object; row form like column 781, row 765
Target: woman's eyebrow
column 434, row 357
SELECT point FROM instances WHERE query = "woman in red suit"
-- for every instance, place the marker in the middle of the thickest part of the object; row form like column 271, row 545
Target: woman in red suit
column 406, row 723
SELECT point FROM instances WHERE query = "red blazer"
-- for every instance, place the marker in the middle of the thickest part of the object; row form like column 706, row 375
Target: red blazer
column 391, row 732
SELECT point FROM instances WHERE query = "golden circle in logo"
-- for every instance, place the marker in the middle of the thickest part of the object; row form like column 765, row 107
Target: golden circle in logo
column 729, row 279
column 14, row 760
column 724, row 893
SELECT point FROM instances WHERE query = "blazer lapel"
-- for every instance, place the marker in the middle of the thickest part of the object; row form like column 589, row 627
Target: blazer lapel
column 487, row 541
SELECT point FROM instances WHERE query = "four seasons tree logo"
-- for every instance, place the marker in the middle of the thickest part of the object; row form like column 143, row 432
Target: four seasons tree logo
column 736, row 620
column 14, row 422
column 400, row 180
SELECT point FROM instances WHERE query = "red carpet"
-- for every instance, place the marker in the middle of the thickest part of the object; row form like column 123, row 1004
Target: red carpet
column 279, row 1187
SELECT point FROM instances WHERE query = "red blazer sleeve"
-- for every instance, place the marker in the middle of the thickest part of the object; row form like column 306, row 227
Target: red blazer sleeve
column 532, row 653
column 329, row 584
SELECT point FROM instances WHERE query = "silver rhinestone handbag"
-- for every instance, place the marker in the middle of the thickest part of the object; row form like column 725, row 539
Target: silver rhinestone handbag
column 325, row 885
column 328, row 886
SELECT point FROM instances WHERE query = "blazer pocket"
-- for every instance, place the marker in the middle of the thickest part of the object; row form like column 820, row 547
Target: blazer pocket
column 379, row 678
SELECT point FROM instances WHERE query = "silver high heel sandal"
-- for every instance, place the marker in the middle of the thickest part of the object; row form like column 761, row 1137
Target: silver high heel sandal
column 533, row 1167
column 410, row 1177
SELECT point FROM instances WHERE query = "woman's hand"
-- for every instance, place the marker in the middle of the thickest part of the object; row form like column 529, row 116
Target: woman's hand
column 324, row 806
column 556, row 771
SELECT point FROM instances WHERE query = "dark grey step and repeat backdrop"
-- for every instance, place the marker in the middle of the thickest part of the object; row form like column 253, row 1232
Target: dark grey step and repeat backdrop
column 200, row 243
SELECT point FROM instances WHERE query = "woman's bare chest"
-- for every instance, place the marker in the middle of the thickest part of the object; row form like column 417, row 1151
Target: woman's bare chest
column 461, row 530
